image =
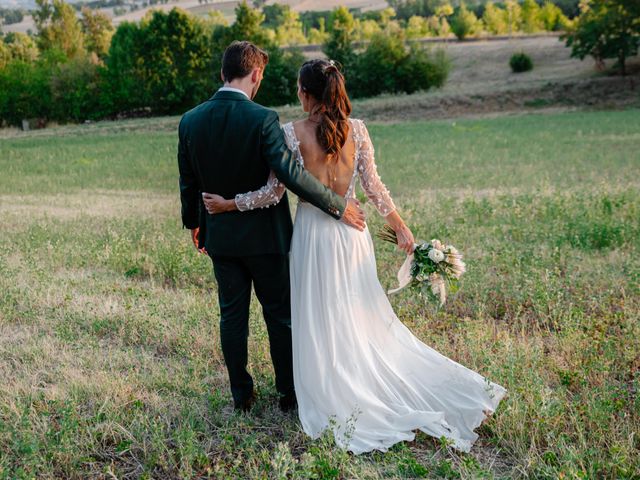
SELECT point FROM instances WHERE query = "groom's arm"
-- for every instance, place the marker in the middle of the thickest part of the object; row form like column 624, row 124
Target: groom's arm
column 292, row 174
column 189, row 189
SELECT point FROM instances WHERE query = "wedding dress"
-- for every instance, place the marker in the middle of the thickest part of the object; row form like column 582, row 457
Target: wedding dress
column 358, row 369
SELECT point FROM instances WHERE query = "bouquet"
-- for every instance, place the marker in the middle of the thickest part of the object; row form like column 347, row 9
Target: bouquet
column 433, row 268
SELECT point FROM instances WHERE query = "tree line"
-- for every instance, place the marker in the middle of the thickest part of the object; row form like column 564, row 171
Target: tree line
column 81, row 68
column 78, row 68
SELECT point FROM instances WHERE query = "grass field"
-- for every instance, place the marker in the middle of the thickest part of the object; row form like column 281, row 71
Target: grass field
column 110, row 365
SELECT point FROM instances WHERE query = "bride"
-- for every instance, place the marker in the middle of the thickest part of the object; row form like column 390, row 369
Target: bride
column 357, row 369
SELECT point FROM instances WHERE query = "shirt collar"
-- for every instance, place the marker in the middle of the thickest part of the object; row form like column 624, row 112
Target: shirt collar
column 231, row 89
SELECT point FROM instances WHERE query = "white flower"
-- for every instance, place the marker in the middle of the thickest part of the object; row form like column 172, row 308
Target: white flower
column 423, row 246
column 436, row 255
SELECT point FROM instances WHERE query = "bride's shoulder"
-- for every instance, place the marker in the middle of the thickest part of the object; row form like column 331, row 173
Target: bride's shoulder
column 359, row 129
column 357, row 124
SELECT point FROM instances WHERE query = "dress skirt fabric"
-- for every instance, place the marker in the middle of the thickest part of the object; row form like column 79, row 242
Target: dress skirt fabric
column 358, row 369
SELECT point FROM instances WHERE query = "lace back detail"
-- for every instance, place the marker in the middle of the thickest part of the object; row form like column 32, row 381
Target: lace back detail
column 356, row 132
column 364, row 166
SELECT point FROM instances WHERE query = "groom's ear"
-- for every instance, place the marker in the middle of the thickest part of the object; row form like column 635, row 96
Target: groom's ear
column 222, row 76
column 256, row 75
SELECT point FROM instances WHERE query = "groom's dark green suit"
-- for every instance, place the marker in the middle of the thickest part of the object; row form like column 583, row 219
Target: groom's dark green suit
column 228, row 145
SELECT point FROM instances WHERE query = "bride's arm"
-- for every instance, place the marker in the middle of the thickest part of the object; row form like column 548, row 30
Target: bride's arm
column 378, row 193
column 270, row 194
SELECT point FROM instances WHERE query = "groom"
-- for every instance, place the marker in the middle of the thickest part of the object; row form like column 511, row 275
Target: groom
column 228, row 145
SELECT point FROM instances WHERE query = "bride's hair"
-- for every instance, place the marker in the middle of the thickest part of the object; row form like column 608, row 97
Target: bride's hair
column 324, row 82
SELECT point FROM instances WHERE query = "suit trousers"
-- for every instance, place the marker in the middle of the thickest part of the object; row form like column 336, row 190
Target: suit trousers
column 269, row 275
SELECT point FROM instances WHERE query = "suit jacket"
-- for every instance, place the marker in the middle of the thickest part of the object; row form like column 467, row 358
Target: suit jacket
column 227, row 145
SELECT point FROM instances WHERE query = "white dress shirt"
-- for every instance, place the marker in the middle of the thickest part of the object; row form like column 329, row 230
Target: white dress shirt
column 231, row 89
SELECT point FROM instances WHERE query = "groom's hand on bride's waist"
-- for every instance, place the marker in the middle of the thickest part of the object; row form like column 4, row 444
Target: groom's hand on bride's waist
column 353, row 215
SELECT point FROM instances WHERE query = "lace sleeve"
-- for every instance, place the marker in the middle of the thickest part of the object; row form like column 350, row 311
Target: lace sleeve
column 270, row 194
column 376, row 191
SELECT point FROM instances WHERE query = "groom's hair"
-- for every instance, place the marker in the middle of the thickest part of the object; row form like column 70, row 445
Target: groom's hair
column 240, row 58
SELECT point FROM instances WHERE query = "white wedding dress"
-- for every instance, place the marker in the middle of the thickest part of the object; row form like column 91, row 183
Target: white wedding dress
column 357, row 369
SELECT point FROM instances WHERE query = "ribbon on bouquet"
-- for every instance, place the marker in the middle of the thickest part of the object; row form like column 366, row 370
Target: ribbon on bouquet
column 404, row 275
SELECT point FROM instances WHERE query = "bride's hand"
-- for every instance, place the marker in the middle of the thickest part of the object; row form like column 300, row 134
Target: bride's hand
column 217, row 204
column 406, row 241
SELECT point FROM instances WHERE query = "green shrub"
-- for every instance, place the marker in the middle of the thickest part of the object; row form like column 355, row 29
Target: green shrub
column 375, row 69
column 422, row 71
column 388, row 66
column 520, row 62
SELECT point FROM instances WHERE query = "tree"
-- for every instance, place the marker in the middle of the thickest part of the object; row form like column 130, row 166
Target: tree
column 280, row 76
column 465, row 23
column 163, row 63
column 341, row 32
column 75, row 88
column 406, row 9
column 494, row 19
column 439, row 22
column 24, row 92
column 215, row 18
column 289, row 31
column 552, row 17
column 5, row 55
column 606, row 29
column 513, row 15
column 280, row 84
column 248, row 25
column 98, row 31
column 530, row 17
column 386, row 17
column 366, row 29
column 58, row 28
column 21, row 47
column 417, row 27
column 176, row 59
column 318, row 35
column 123, row 73
column 274, row 15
